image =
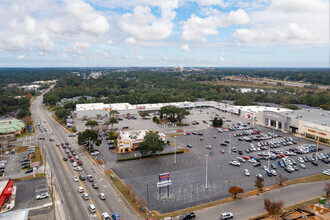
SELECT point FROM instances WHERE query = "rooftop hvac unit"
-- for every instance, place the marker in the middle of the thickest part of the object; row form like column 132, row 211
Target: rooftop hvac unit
column 323, row 124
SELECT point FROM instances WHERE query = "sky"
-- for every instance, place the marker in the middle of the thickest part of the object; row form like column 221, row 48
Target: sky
column 127, row 33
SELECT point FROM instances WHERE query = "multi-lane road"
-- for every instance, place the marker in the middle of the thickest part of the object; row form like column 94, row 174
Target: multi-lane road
column 70, row 203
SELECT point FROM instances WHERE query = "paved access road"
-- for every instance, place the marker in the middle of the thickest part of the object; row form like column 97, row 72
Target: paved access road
column 252, row 206
column 71, row 205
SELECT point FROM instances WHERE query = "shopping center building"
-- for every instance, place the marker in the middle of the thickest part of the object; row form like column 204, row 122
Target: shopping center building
column 313, row 124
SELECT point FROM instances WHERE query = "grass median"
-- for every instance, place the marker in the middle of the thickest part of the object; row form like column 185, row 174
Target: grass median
column 38, row 175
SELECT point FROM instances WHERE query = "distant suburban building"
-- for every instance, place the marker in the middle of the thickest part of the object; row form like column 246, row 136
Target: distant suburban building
column 129, row 140
column 11, row 128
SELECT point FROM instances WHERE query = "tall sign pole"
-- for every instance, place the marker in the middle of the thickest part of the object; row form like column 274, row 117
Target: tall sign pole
column 175, row 150
column 206, row 169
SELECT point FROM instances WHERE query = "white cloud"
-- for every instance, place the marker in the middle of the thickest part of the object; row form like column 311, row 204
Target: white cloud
column 286, row 23
column 30, row 24
column 20, row 57
column 144, row 26
column 210, row 2
column 185, row 47
column 130, row 40
column 90, row 20
column 298, row 5
column 110, row 41
column 196, row 28
column 81, row 47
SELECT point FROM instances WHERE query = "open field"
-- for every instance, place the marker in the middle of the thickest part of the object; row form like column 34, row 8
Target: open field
column 264, row 84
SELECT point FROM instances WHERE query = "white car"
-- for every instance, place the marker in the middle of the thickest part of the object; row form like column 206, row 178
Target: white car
column 265, row 168
column 75, row 178
column 74, row 164
column 246, row 172
column 81, row 189
column 259, row 176
column 302, row 165
column 105, row 216
column 273, row 172
column 301, row 160
column 252, row 161
column 95, row 153
column 42, row 196
column 76, row 157
column 208, row 147
column 227, row 215
column 78, row 168
column 102, row 196
column 235, row 163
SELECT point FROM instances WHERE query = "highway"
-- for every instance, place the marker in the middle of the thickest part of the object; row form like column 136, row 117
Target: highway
column 72, row 202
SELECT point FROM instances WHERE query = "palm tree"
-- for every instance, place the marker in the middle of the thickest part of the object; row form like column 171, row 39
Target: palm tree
column 113, row 113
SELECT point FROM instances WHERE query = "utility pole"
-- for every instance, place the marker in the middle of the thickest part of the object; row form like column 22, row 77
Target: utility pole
column 147, row 197
column 175, row 150
column 206, row 168
column 229, row 144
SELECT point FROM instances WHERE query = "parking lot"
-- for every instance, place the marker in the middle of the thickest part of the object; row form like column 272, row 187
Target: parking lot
column 188, row 174
column 28, row 190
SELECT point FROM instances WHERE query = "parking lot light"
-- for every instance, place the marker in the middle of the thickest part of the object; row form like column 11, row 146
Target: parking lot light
column 175, row 150
column 206, row 168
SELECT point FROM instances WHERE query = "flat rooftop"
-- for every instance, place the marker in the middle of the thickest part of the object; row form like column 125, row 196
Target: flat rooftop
column 316, row 116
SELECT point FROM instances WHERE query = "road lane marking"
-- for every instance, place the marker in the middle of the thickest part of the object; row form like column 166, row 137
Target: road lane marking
column 191, row 191
column 61, row 159
column 179, row 191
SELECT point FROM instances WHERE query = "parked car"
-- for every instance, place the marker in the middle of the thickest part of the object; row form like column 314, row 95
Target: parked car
column 246, row 172
column 91, row 208
column 42, row 195
column 188, row 215
column 189, row 145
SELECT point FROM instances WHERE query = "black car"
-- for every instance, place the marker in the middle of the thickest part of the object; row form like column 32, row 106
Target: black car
column 189, row 145
column 29, row 171
column 65, row 158
column 82, row 177
column 188, row 215
column 25, row 166
column 314, row 163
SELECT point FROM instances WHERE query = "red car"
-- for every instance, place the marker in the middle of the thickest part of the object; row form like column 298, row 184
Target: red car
column 80, row 163
column 295, row 142
column 282, row 155
column 222, row 151
column 71, row 160
column 223, row 144
column 246, row 158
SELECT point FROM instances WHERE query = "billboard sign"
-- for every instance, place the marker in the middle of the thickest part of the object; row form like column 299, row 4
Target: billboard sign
column 30, row 128
column 164, row 177
column 164, row 183
column 35, row 164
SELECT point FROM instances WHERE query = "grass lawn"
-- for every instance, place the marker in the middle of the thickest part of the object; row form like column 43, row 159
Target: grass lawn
column 38, row 175
column 37, row 157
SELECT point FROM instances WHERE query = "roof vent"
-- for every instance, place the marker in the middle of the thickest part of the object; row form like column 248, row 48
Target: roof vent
column 321, row 113
column 323, row 123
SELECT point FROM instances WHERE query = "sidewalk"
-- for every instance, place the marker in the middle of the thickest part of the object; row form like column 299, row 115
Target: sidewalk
column 254, row 205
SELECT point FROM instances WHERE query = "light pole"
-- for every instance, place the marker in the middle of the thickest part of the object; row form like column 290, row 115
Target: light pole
column 147, row 197
column 206, row 168
column 175, row 149
column 229, row 144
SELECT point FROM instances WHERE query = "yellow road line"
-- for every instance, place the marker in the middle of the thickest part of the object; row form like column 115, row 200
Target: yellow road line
column 61, row 159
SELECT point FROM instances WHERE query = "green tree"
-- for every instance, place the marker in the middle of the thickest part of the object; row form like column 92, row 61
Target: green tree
column 143, row 114
column 151, row 144
column 112, row 121
column 90, row 136
column 62, row 113
column 180, row 114
column 112, row 134
column 217, row 122
column 113, row 113
column 98, row 116
column 51, row 99
column 92, row 124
